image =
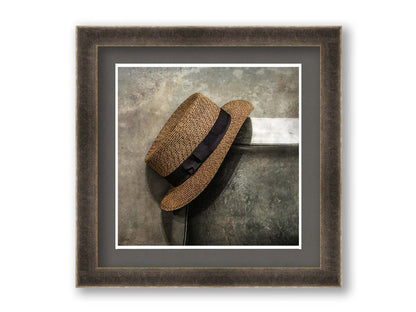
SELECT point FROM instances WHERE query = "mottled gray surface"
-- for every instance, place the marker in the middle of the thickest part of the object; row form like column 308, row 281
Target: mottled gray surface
column 252, row 200
column 258, row 204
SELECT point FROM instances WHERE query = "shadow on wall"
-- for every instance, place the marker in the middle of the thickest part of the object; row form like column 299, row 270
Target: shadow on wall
column 175, row 222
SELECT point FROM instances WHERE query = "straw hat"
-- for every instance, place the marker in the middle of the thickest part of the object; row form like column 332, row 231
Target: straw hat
column 192, row 145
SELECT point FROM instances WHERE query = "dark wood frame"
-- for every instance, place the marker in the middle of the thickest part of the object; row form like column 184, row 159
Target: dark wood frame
column 89, row 38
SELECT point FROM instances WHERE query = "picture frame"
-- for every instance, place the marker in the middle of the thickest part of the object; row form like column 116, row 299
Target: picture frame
column 89, row 272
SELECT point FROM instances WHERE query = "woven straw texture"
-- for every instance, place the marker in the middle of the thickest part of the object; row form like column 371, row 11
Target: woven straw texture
column 182, row 133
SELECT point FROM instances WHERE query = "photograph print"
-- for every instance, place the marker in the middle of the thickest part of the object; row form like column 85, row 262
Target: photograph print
column 208, row 156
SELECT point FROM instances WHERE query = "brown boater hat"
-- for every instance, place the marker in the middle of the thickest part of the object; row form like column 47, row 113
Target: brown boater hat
column 192, row 145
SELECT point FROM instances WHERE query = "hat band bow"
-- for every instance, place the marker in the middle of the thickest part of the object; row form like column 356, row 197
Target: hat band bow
column 190, row 165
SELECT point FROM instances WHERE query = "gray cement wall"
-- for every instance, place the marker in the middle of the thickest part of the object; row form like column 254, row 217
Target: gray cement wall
column 254, row 197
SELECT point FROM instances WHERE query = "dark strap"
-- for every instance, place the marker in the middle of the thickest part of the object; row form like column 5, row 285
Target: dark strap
column 202, row 151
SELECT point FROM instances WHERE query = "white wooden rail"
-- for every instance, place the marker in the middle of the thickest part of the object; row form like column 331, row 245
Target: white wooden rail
column 269, row 131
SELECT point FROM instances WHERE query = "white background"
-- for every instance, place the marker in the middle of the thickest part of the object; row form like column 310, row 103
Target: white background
column 37, row 129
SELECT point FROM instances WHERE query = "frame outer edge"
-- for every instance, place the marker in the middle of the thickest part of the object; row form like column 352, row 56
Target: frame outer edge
column 86, row 144
column 331, row 158
column 88, row 275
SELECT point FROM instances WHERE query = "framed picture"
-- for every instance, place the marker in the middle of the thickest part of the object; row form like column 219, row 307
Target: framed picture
column 208, row 156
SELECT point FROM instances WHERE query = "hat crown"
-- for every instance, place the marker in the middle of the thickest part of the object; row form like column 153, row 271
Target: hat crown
column 185, row 129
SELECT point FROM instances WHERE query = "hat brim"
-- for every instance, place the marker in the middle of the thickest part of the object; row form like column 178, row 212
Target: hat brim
column 179, row 196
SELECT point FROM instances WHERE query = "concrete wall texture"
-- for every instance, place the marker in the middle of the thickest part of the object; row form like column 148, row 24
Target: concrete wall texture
column 253, row 199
